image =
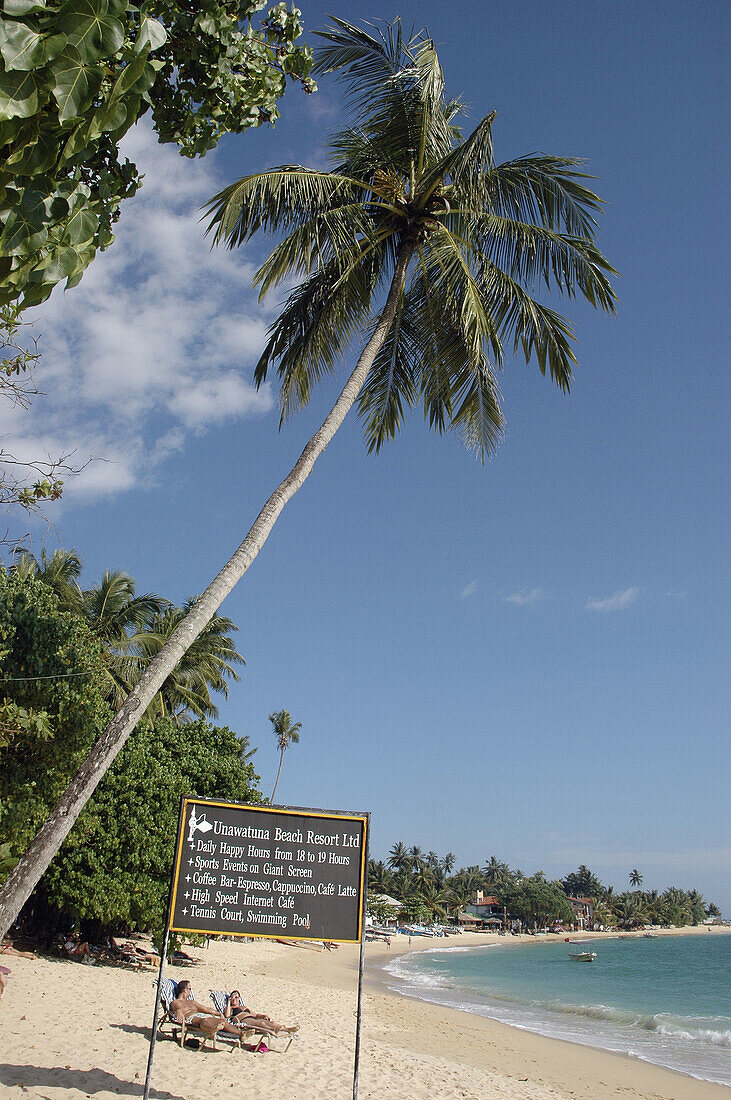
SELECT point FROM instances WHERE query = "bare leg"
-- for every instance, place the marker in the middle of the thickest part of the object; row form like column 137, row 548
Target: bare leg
column 265, row 1023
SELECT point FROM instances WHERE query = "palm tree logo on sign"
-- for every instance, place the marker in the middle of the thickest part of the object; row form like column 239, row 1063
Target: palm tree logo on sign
column 197, row 825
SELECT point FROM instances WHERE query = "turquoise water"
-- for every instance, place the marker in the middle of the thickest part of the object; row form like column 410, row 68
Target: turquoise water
column 665, row 1000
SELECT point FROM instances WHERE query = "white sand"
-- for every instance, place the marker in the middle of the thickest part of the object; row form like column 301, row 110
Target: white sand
column 70, row 1031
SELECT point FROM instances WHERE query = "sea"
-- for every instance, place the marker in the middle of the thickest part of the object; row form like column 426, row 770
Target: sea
column 665, row 1000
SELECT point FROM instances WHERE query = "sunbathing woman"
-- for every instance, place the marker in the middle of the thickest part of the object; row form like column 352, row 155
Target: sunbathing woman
column 237, row 1012
column 209, row 1020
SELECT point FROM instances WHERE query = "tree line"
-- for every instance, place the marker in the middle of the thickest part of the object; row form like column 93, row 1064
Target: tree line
column 429, row 888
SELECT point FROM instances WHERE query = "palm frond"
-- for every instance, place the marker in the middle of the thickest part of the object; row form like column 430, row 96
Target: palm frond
column 533, row 254
column 279, row 199
column 319, row 321
column 390, row 386
column 339, row 232
column 468, row 161
column 545, row 190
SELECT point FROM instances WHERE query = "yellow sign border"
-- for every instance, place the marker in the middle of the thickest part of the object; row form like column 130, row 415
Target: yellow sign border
column 364, row 818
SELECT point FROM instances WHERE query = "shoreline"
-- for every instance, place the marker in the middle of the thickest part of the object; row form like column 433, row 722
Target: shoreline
column 410, row 1049
column 379, row 980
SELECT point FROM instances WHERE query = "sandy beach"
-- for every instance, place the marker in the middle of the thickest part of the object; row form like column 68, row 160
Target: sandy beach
column 71, row 1031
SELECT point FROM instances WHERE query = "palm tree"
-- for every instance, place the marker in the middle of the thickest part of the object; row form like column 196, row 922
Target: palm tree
column 398, row 857
column 60, row 572
column 206, row 666
column 113, row 611
column 418, row 242
column 496, row 873
column 286, row 734
column 635, row 878
column 416, row 858
column 448, row 863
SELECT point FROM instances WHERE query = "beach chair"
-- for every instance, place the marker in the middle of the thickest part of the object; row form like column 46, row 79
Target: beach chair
column 260, row 1037
column 181, row 1032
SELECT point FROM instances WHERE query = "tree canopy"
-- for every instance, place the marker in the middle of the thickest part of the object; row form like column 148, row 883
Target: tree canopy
column 114, row 868
column 52, row 683
column 76, row 75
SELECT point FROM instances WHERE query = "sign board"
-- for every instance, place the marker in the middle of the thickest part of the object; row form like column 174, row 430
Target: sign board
column 263, row 871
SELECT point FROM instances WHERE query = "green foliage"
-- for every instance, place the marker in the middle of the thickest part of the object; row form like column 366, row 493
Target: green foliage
column 56, row 718
column 133, row 630
column 114, row 867
column 381, row 911
column 535, row 901
column 76, row 75
column 583, row 884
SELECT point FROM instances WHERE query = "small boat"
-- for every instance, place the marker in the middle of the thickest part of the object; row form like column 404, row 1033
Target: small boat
column 649, row 935
column 580, row 951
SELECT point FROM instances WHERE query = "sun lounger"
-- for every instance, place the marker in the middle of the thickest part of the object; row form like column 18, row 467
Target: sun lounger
column 181, row 1032
column 262, row 1035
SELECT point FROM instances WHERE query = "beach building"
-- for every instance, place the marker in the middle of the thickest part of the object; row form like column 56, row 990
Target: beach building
column 387, row 920
column 483, row 911
column 584, row 910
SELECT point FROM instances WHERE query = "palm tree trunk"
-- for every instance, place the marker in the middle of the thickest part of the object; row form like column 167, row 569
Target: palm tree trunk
column 19, row 886
column 279, row 772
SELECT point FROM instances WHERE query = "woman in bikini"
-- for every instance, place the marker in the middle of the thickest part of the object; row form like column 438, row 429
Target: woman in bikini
column 237, row 1012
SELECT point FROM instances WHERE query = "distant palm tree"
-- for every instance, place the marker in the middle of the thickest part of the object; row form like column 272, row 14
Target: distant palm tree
column 379, row 877
column 496, row 873
column 448, row 863
column 416, row 857
column 635, row 878
column 398, row 857
column 286, row 734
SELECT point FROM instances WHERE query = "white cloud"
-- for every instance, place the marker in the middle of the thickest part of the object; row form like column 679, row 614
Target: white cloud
column 617, row 602
column 522, row 599
column 468, row 590
column 159, row 340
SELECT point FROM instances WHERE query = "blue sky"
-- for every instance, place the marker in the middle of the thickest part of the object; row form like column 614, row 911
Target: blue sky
column 523, row 659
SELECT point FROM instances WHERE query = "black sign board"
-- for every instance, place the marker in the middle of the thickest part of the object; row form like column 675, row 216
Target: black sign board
column 263, row 871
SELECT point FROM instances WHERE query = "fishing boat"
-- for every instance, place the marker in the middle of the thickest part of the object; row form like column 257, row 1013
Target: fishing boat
column 580, row 951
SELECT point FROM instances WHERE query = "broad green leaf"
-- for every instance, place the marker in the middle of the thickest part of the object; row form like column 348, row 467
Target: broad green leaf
column 23, row 7
column 110, row 116
column 18, row 95
column 152, row 35
column 80, row 228
column 35, row 158
column 26, row 226
column 21, row 47
column 129, row 76
column 91, row 28
column 74, row 84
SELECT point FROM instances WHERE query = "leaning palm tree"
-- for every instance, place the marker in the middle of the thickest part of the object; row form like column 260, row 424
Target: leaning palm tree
column 636, row 878
column 417, row 242
column 287, row 733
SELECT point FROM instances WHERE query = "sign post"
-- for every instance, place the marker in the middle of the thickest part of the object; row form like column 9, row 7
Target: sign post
column 269, row 871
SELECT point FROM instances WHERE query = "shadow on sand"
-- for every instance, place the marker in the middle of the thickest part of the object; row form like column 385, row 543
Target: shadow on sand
column 86, row 1081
